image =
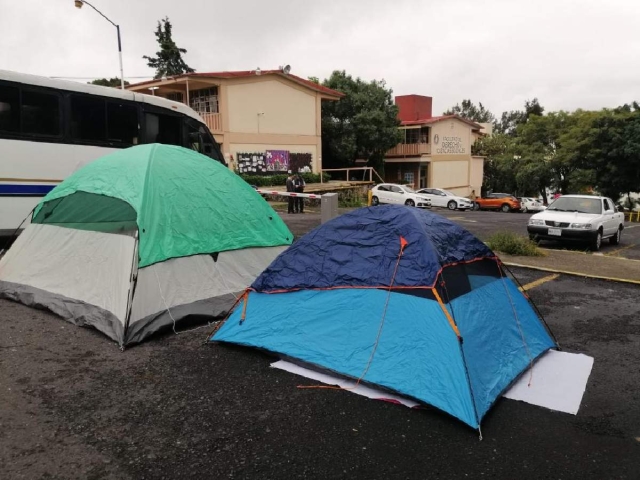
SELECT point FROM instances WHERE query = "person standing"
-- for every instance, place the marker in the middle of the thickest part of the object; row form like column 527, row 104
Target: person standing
column 299, row 185
column 290, row 189
column 472, row 197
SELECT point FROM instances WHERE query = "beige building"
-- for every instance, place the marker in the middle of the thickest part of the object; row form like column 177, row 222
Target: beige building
column 265, row 121
column 435, row 151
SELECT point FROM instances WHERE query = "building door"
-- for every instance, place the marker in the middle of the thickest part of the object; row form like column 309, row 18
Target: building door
column 423, row 177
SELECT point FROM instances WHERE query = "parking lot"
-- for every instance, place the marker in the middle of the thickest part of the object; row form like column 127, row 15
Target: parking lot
column 485, row 223
column 74, row 406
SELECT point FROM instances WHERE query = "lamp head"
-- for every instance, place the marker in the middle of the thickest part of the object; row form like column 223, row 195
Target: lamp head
column 78, row 3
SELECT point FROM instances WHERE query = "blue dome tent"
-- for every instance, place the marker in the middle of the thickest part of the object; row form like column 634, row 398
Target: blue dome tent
column 398, row 298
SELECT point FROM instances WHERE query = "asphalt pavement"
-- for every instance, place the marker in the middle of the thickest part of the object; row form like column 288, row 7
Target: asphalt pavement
column 74, row 406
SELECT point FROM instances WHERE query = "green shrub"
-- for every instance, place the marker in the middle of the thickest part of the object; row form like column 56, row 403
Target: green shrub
column 351, row 203
column 514, row 244
column 281, row 179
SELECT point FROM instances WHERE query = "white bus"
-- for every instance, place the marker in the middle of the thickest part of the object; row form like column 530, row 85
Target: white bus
column 49, row 128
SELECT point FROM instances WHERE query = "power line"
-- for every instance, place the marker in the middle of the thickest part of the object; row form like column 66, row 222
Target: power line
column 92, row 78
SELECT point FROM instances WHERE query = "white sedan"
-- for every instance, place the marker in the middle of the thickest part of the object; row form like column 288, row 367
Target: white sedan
column 399, row 195
column 531, row 205
column 446, row 199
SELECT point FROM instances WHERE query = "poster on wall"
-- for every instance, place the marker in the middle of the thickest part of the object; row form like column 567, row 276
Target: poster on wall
column 273, row 162
column 277, row 160
column 251, row 163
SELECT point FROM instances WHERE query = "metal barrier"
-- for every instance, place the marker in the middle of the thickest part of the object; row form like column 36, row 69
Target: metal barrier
column 632, row 216
column 328, row 201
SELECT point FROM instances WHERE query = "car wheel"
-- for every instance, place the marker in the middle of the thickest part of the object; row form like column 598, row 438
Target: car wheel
column 452, row 205
column 615, row 240
column 596, row 243
column 410, row 203
column 476, row 206
column 505, row 208
column 534, row 239
column 524, row 210
column 375, row 201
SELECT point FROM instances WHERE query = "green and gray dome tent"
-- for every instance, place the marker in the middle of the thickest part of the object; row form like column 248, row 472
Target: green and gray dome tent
column 141, row 238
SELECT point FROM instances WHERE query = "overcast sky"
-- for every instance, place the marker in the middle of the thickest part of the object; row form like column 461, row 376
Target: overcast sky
column 570, row 54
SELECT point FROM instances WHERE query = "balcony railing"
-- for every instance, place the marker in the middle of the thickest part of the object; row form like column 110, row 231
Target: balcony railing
column 410, row 149
column 213, row 121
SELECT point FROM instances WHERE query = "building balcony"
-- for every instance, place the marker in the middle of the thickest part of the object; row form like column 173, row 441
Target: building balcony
column 409, row 150
column 213, row 121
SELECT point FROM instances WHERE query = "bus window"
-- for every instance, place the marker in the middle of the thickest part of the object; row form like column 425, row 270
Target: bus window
column 122, row 123
column 193, row 139
column 209, row 143
column 9, row 109
column 88, row 118
column 40, row 113
column 165, row 129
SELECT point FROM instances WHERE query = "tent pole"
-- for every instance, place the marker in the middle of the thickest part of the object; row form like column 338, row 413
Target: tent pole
column 535, row 307
column 133, row 282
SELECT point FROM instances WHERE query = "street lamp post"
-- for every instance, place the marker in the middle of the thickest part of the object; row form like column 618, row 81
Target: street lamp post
column 78, row 4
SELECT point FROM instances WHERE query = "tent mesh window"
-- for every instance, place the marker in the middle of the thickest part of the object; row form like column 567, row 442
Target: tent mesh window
column 457, row 280
column 89, row 211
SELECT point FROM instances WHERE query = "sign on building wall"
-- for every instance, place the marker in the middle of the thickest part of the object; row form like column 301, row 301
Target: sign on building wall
column 273, row 161
column 451, row 145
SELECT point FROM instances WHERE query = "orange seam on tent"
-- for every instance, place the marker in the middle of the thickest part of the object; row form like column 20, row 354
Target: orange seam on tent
column 422, row 287
column 477, row 259
column 446, row 312
column 244, row 306
column 363, row 287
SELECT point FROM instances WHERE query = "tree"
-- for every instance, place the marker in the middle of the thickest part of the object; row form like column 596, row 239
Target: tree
column 470, row 111
column 499, row 164
column 168, row 60
column 362, row 125
column 611, row 148
column 111, row 82
column 510, row 120
column 314, row 80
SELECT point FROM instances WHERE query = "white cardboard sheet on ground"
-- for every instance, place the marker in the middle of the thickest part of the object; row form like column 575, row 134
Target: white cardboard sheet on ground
column 558, row 383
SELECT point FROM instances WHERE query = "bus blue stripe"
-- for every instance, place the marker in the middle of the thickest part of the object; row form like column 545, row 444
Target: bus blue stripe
column 21, row 189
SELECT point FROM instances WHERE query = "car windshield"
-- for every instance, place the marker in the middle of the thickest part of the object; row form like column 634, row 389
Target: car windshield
column 447, row 193
column 577, row 204
column 408, row 189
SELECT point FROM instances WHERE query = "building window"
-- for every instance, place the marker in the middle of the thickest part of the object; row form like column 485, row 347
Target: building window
column 176, row 97
column 408, row 177
column 204, row 100
column 412, row 135
column 424, row 134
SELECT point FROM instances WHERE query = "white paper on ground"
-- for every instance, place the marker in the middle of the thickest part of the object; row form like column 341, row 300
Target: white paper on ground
column 558, row 383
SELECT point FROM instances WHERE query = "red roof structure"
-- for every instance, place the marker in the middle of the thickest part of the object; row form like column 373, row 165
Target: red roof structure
column 426, row 121
column 251, row 73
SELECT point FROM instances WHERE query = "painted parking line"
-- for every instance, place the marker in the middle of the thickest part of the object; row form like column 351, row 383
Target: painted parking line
column 615, row 252
column 632, row 226
column 463, row 219
column 538, row 282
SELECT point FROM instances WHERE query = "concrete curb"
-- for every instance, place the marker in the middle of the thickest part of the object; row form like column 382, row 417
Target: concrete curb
column 576, row 274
